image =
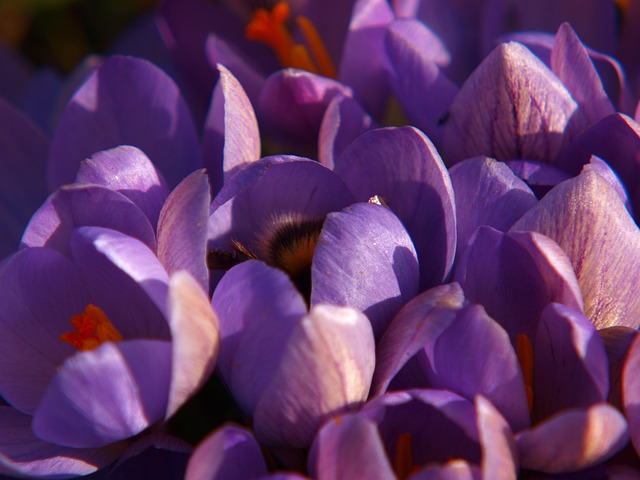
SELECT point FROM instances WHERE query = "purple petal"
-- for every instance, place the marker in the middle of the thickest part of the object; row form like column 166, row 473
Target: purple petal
column 306, row 96
column 326, row 369
column 499, row 454
column 454, row 469
column 631, row 392
column 195, row 336
column 106, row 395
column 487, row 193
column 617, row 341
column 365, row 259
column 40, row 290
column 422, row 318
column 229, row 453
column 349, row 447
column 571, row 368
column 182, row 228
column 511, row 107
column 126, row 101
column 573, row 440
column 23, row 149
column 75, row 206
column 541, row 177
column 22, row 453
column 17, row 73
column 418, row 190
column 230, row 138
column 343, row 122
column 515, row 276
column 415, row 57
column 473, row 356
column 604, row 170
column 365, row 73
column 129, row 171
column 586, row 217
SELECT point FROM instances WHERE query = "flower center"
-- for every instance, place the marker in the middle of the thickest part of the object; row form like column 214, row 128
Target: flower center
column 524, row 350
column 92, row 329
column 270, row 27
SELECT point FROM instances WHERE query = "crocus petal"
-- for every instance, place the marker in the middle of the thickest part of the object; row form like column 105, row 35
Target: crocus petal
column 515, row 276
column 617, row 341
column 195, row 335
column 570, row 62
column 415, row 56
column 605, row 171
column 182, row 228
column 118, row 267
column 431, row 311
column 365, row 259
column 22, row 453
column 40, row 291
column 306, row 96
column 252, row 337
column 105, row 395
column 129, row 171
column 586, row 217
column 631, row 392
column 126, row 101
column 452, row 470
column 418, row 190
column 487, row 193
column 573, row 440
column 23, row 149
column 348, row 447
column 472, row 356
column 230, row 138
column 499, row 453
column 326, row 368
column 511, row 107
column 229, row 453
column 343, row 122
column 541, row 177
column 365, row 73
column 75, row 206
column 571, row 368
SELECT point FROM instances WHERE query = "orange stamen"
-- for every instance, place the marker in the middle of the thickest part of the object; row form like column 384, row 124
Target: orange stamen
column 93, row 328
column 524, row 350
column 403, row 464
column 623, row 4
column 270, row 28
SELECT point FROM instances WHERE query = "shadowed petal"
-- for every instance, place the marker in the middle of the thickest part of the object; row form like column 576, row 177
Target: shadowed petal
column 499, row 453
column 586, row 217
column 631, row 392
column 541, row 177
column 126, row 101
column 105, row 395
column 365, row 259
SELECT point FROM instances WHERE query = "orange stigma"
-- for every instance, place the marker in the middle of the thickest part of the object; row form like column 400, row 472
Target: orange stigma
column 93, row 328
column 403, row 464
column 270, row 28
column 524, row 350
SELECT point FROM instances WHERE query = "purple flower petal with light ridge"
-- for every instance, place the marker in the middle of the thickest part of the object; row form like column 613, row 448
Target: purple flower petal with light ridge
column 22, row 453
column 601, row 167
column 182, row 228
column 451, row 470
column 431, row 311
column 515, row 276
column 474, row 356
column 349, row 447
column 40, row 290
column 195, row 339
column 343, row 122
column 306, row 96
column 129, row 171
column 571, row 368
column 573, row 440
column 74, row 206
column 365, row 73
column 631, row 392
column 231, row 137
column 365, row 259
column 414, row 60
column 586, row 217
column 326, row 369
column 23, row 149
column 418, row 190
column 126, row 101
column 106, row 395
column 487, row 193
column 229, row 453
column 499, row 453
column 511, row 107
column 250, row 347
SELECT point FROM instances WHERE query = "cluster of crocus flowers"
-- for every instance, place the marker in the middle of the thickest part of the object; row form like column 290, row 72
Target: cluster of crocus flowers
column 330, row 240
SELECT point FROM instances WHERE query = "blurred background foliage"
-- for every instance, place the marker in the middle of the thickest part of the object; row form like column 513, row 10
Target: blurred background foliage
column 61, row 32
